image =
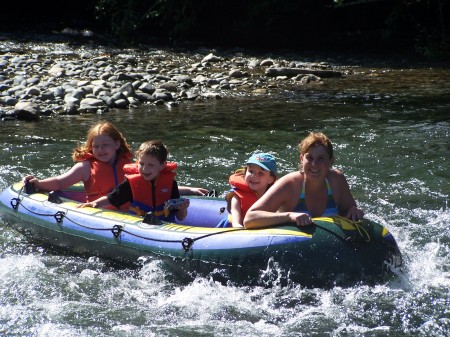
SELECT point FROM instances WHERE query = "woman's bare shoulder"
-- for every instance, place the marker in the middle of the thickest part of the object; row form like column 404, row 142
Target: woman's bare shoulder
column 292, row 176
column 337, row 179
column 289, row 181
column 335, row 174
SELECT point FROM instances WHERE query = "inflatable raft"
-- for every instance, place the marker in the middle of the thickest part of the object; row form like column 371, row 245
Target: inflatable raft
column 331, row 251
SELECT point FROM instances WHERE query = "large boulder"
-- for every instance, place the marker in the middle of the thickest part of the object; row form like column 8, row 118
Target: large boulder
column 28, row 111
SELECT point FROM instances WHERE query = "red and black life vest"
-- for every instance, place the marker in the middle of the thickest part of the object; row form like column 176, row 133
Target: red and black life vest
column 104, row 177
column 150, row 196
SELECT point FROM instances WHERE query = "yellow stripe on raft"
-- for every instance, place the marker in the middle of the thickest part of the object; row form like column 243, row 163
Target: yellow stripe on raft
column 345, row 223
column 264, row 231
column 107, row 214
column 39, row 197
column 18, row 186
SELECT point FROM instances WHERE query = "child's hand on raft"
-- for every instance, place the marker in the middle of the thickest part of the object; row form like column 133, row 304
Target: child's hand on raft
column 87, row 204
column 29, row 179
column 184, row 205
column 199, row 191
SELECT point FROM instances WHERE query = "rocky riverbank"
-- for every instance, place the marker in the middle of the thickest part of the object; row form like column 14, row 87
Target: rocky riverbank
column 57, row 78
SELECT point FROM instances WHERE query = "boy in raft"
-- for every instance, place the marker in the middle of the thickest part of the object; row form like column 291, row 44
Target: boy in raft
column 249, row 184
column 99, row 165
column 148, row 189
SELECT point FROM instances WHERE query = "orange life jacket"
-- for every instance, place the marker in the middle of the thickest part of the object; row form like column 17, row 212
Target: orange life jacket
column 242, row 191
column 143, row 199
column 104, row 177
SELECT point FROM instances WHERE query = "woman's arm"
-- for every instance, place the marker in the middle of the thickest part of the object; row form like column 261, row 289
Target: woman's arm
column 344, row 197
column 276, row 205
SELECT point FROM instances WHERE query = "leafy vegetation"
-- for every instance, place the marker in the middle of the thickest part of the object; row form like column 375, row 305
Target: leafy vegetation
column 366, row 25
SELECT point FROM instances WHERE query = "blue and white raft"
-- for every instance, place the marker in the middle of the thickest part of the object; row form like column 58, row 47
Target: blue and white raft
column 332, row 251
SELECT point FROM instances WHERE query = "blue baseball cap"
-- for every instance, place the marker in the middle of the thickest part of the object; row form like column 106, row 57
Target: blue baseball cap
column 264, row 160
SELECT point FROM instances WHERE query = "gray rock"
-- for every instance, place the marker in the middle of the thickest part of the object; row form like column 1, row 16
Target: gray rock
column 183, row 79
column 144, row 97
column 266, row 63
column 70, row 100
column 127, row 89
column 4, row 64
column 32, row 91
column 210, row 95
column 304, row 79
column 169, row 86
column 47, row 95
column 59, row 91
column 28, row 111
column 8, row 100
column 4, row 87
column 211, row 58
column 91, row 104
column 291, row 72
column 235, row 73
column 125, row 77
column 134, row 102
column 57, row 71
column 164, row 96
column 78, row 93
column 121, row 103
column 118, row 95
column 147, row 88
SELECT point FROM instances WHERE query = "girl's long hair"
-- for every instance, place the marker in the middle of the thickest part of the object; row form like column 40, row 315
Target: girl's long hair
column 101, row 128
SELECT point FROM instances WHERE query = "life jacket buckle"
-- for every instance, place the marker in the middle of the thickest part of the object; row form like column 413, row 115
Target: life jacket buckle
column 151, row 219
column 54, row 198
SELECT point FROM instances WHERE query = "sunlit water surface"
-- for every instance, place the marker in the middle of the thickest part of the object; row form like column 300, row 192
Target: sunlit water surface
column 391, row 131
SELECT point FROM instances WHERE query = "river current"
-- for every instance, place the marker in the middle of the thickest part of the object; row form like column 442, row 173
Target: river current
column 391, row 132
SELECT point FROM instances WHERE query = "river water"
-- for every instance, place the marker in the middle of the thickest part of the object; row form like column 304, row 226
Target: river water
column 391, row 131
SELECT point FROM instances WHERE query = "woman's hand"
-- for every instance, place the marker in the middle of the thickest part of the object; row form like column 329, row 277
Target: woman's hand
column 355, row 214
column 301, row 219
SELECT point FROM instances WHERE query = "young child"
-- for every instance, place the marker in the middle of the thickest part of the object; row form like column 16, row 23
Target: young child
column 99, row 165
column 249, row 184
column 150, row 188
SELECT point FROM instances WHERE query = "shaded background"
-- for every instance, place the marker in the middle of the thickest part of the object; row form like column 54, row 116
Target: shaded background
column 380, row 26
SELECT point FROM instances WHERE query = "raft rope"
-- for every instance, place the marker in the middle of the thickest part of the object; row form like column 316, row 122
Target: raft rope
column 116, row 230
column 363, row 233
column 359, row 227
column 15, row 202
column 188, row 242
